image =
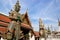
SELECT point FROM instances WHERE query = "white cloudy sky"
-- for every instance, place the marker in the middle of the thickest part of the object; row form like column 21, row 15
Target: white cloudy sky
column 47, row 10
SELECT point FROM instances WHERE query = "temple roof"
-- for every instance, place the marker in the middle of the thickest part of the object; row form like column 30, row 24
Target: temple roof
column 36, row 34
column 3, row 24
column 5, row 20
column 25, row 26
column 25, row 19
column 3, row 29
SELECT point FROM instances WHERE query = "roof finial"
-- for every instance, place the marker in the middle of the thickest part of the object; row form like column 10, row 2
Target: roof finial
column 40, row 20
column 48, row 29
column 17, row 6
column 26, row 11
column 58, row 22
column 40, row 23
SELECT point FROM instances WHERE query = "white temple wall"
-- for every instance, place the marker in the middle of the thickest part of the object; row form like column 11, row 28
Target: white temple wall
column 31, row 38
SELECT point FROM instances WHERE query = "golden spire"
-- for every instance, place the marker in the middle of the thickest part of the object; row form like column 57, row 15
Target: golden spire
column 41, row 29
column 48, row 29
column 58, row 22
column 40, row 22
column 17, row 6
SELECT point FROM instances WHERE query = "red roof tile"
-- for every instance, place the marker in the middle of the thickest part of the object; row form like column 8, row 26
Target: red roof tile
column 25, row 26
column 3, row 24
column 4, row 18
column 36, row 34
column 3, row 29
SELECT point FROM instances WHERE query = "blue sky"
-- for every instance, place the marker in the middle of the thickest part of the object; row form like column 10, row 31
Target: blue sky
column 47, row 10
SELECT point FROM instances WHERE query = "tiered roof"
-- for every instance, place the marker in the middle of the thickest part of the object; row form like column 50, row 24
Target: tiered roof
column 36, row 34
column 5, row 20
